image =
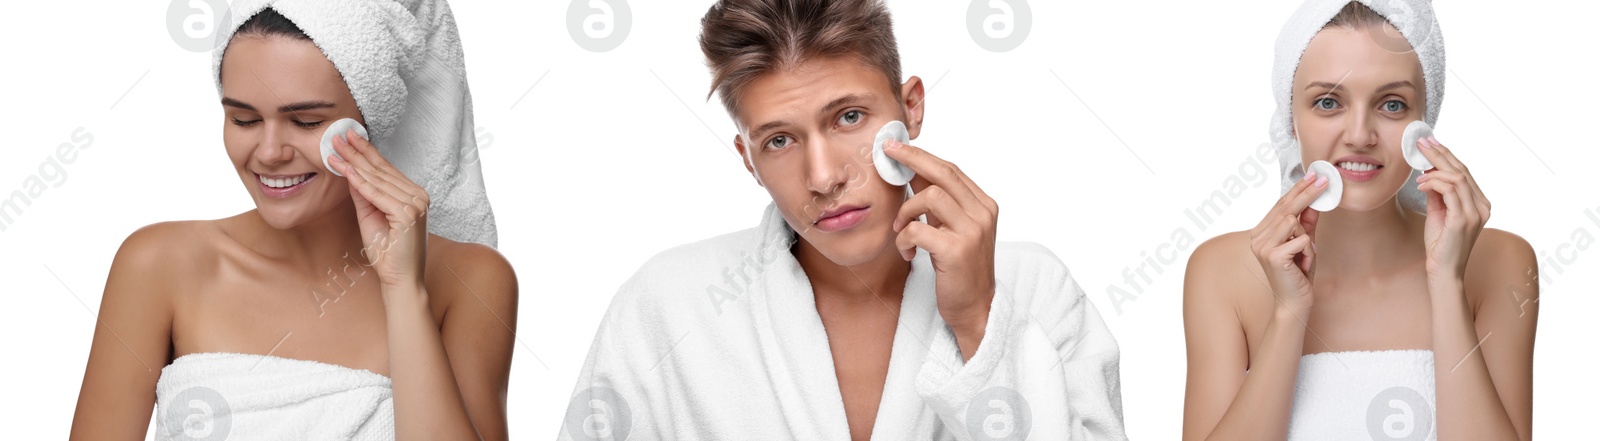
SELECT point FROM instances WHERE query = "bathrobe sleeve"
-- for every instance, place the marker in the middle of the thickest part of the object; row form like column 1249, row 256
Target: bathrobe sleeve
column 1047, row 367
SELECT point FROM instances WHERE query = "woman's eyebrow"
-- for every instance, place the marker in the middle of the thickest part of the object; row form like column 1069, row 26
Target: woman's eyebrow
column 1396, row 85
column 286, row 108
column 1325, row 85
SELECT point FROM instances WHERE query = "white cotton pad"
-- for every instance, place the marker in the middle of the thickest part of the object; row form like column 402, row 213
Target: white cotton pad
column 1329, row 199
column 335, row 129
column 890, row 170
column 1408, row 145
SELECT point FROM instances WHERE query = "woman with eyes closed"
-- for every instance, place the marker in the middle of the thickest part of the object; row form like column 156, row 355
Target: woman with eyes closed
column 327, row 312
column 1396, row 315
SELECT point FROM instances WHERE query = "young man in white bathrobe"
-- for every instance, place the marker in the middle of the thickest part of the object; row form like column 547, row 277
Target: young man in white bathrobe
column 851, row 311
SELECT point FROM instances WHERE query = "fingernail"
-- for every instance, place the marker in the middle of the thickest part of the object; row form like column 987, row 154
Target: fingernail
column 1309, row 176
column 1322, row 180
column 890, row 144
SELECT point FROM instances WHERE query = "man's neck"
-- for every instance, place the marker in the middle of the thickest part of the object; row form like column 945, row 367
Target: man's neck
column 880, row 279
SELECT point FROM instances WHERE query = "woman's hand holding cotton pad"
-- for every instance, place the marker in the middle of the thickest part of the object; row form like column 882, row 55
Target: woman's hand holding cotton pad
column 890, row 170
column 338, row 128
column 1416, row 131
column 1329, row 199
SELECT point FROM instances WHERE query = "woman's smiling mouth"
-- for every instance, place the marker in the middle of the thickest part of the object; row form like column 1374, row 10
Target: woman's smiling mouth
column 283, row 186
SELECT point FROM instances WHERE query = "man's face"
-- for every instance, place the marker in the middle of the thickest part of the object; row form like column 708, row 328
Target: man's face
column 807, row 133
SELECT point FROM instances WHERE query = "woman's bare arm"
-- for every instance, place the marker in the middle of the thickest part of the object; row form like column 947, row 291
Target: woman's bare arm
column 479, row 330
column 1486, row 389
column 1221, row 401
column 132, row 341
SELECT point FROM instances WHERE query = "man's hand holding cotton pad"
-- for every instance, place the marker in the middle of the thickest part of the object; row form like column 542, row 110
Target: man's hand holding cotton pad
column 890, row 170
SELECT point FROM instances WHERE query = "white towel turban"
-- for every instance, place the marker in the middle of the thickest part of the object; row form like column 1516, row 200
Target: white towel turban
column 403, row 63
column 1414, row 19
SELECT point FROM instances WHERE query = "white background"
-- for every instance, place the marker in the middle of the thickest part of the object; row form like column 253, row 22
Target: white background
column 615, row 156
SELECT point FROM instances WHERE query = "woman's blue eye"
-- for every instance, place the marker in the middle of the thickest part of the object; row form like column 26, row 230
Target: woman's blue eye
column 1326, row 103
column 1394, row 106
column 778, row 142
column 850, row 118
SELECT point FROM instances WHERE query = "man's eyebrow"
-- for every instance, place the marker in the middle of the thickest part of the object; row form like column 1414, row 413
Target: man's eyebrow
column 767, row 127
column 286, row 108
column 846, row 100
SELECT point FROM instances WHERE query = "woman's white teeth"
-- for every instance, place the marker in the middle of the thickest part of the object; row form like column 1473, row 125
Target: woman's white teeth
column 1358, row 166
column 283, row 182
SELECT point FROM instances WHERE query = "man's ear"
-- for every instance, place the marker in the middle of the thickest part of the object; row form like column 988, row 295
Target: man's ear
column 913, row 99
column 749, row 163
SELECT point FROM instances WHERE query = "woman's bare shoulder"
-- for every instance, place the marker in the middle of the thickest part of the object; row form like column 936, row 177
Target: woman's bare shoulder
column 468, row 267
column 1501, row 262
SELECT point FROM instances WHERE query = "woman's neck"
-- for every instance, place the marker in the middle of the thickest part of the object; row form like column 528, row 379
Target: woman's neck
column 1362, row 243
column 322, row 243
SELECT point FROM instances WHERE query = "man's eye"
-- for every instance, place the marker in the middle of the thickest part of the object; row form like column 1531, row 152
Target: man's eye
column 244, row 123
column 778, row 142
column 850, row 118
column 308, row 124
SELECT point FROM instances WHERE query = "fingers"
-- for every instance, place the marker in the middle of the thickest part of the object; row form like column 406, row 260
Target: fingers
column 920, row 235
column 1476, row 196
column 933, row 171
column 360, row 154
column 1308, row 221
column 364, row 147
column 1313, row 188
column 1274, row 234
column 1283, row 256
column 373, row 192
column 1448, row 186
column 1439, row 155
column 934, row 201
column 1308, row 181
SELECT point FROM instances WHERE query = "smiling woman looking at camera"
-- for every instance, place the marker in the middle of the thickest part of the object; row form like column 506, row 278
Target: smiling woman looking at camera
column 329, row 310
column 1408, row 285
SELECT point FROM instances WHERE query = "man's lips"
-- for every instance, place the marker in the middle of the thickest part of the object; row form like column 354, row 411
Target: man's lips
column 841, row 218
column 836, row 211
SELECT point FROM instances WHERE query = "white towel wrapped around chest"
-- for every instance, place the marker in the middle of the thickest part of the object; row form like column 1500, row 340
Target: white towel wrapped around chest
column 1383, row 395
column 216, row 396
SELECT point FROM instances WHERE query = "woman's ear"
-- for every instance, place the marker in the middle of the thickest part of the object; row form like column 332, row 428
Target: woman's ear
column 912, row 100
column 749, row 163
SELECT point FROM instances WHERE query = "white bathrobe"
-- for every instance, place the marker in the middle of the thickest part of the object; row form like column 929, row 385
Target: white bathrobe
column 720, row 339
